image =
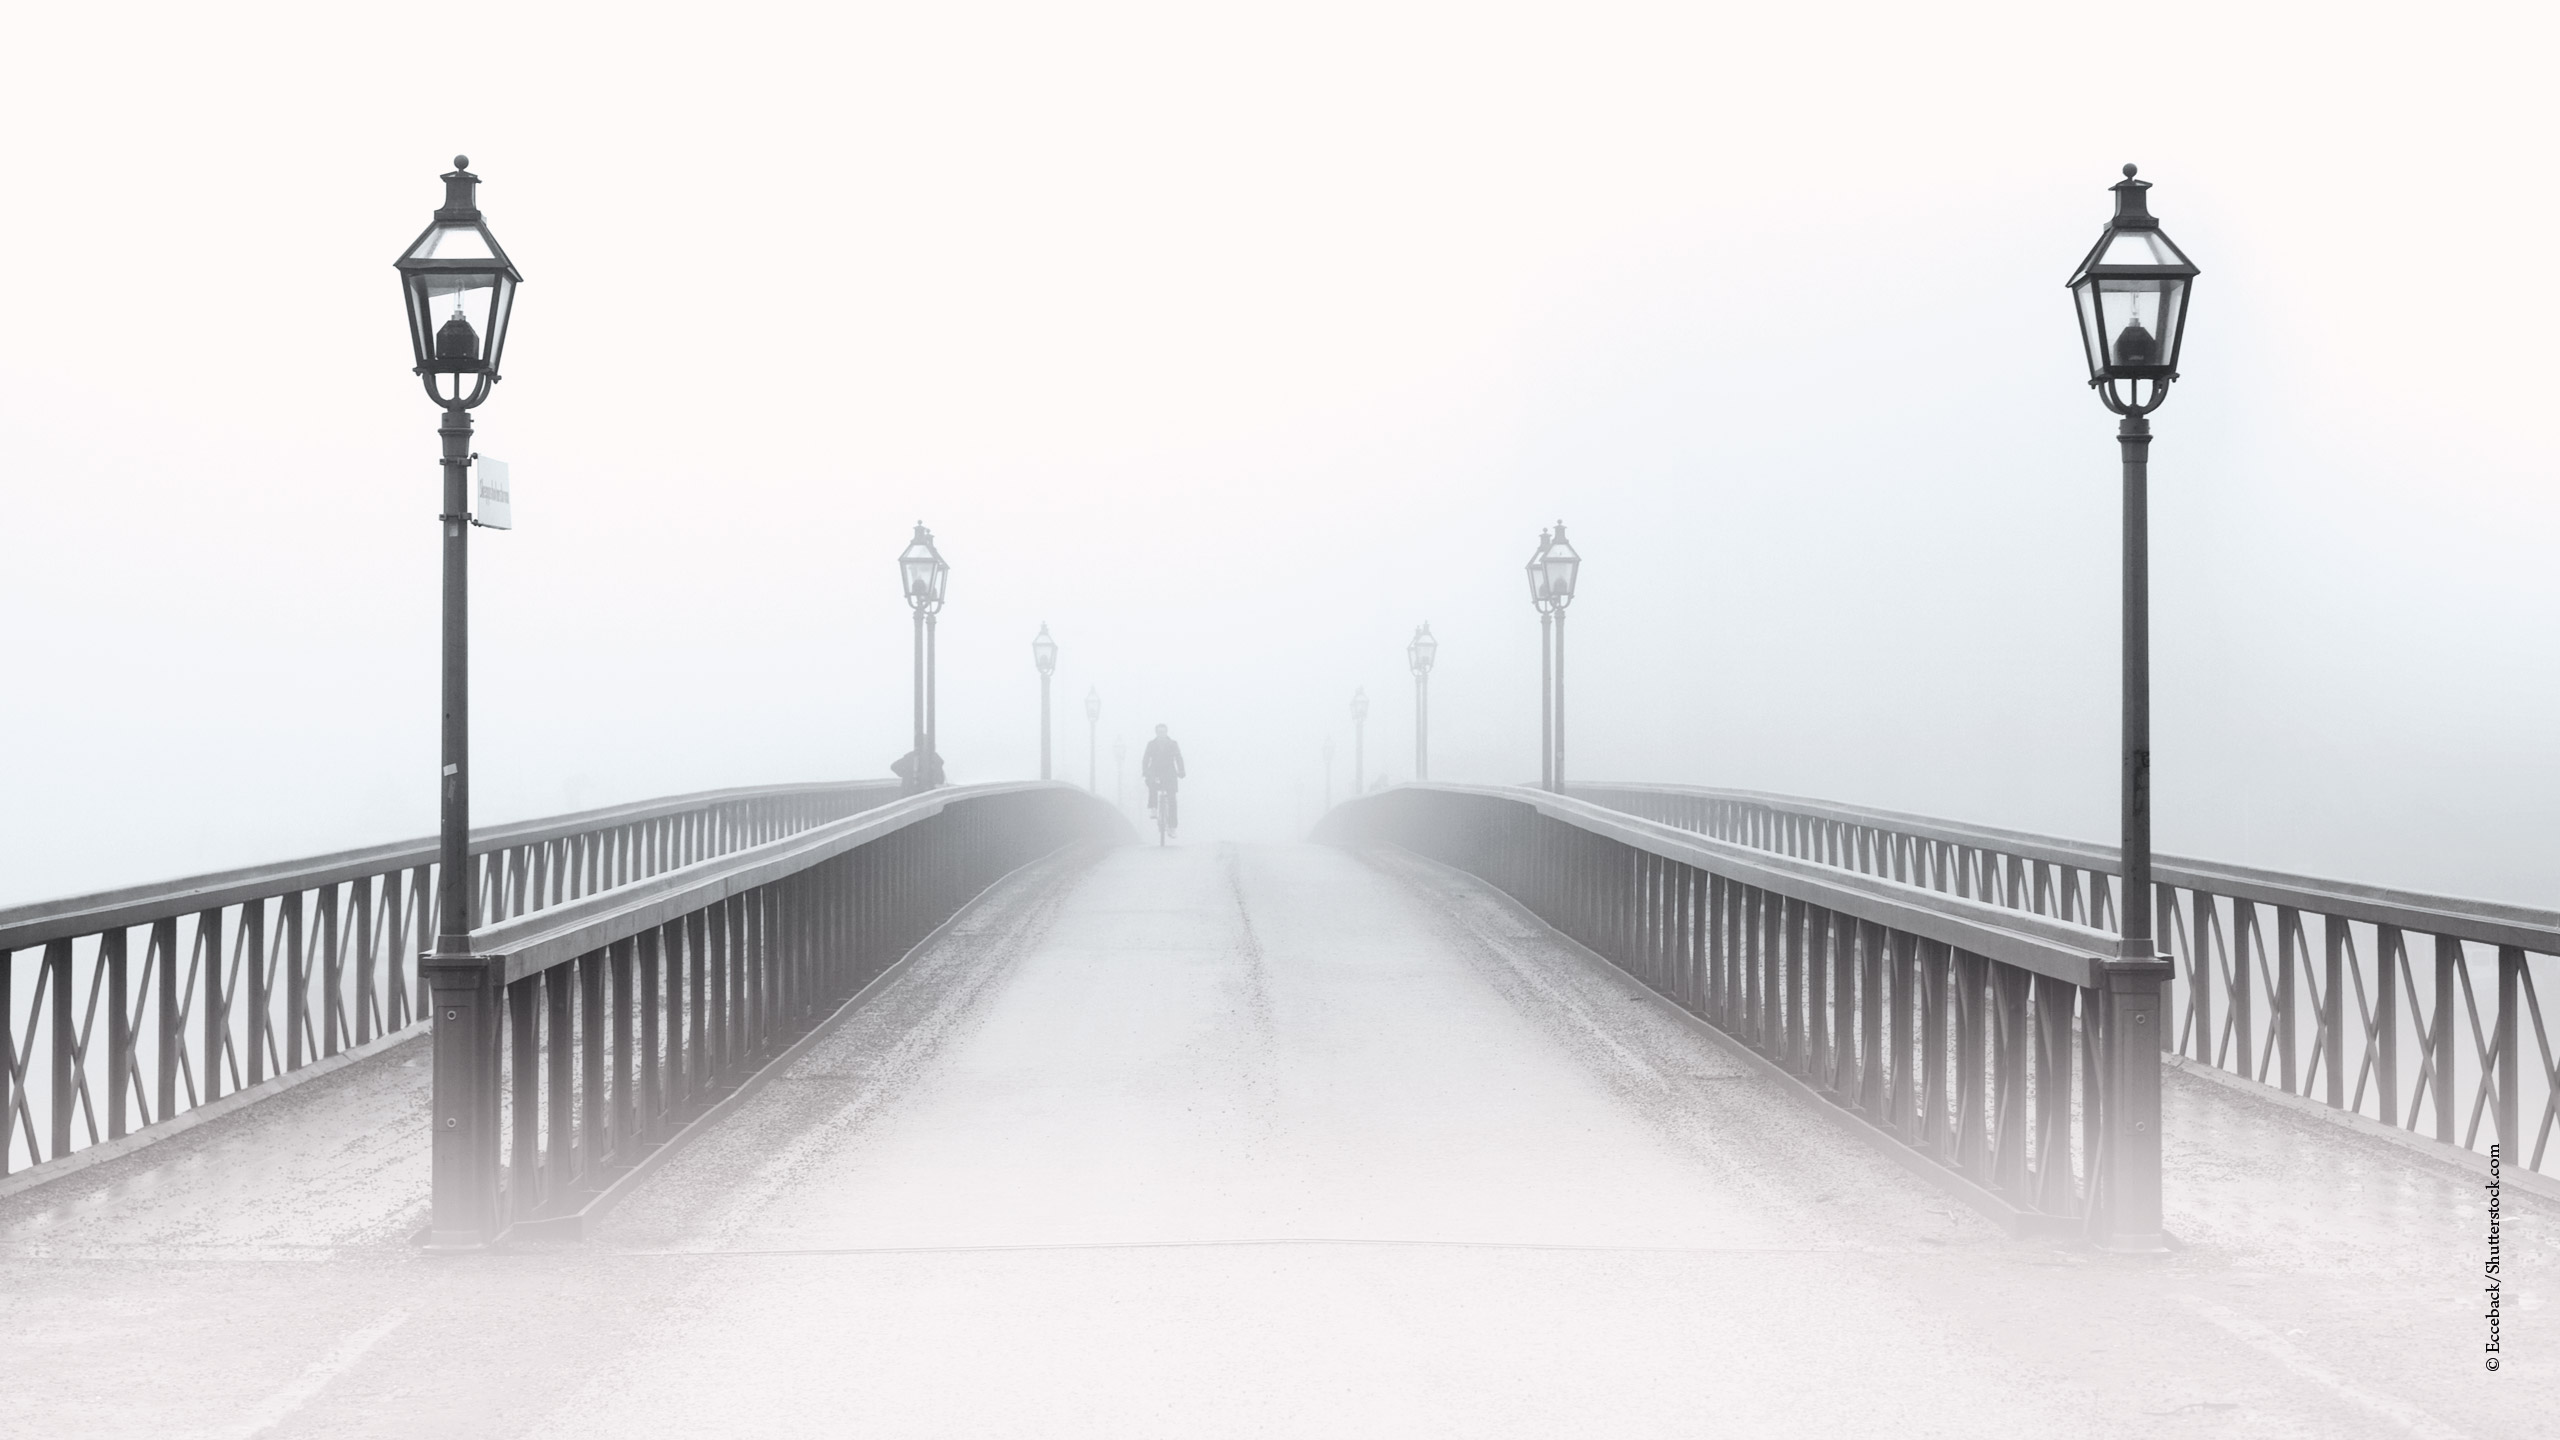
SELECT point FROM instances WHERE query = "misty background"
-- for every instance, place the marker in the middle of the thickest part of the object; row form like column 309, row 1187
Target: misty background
column 1232, row 344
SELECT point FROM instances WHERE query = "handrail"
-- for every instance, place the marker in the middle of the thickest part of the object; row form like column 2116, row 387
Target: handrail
column 2275, row 1013
column 572, row 1045
column 2008, row 1055
column 2059, row 948
column 248, row 975
column 25, row 926
column 535, row 942
column 2489, row 921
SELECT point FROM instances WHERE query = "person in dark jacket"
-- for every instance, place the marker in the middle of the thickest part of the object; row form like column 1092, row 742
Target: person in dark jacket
column 1162, row 767
column 904, row 767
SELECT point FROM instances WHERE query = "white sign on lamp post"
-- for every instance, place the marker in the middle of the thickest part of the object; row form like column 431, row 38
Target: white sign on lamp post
column 497, row 501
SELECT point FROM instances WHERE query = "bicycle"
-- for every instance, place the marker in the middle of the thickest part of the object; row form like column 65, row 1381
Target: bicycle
column 1167, row 812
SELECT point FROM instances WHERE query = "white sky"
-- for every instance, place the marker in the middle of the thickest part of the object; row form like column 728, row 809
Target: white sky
column 1232, row 344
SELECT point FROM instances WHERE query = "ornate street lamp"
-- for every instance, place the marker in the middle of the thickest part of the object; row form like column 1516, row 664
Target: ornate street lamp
column 1537, row 573
column 2131, row 294
column 1044, row 655
column 1553, row 571
column 459, row 288
column 926, row 577
column 1359, row 741
column 1093, row 740
column 1419, row 653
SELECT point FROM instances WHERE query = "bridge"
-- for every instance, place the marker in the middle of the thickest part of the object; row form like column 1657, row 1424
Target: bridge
column 1602, row 1109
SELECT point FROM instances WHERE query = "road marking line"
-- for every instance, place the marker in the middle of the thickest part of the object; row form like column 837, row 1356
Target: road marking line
column 315, row 1377
column 1316, row 1240
column 2285, row 1353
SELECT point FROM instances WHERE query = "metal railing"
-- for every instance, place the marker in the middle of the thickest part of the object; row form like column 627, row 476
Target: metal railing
column 128, row 1008
column 2265, row 961
column 573, row 1044
column 1975, row 1040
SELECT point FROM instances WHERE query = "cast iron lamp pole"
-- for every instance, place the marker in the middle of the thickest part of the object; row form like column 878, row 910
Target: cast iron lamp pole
column 1093, row 740
column 1419, row 652
column 2131, row 294
column 1537, row 573
column 1360, row 741
column 926, row 577
column 458, row 262
column 1562, row 566
column 1044, row 654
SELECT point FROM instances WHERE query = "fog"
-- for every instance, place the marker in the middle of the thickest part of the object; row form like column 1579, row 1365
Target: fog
column 1232, row 347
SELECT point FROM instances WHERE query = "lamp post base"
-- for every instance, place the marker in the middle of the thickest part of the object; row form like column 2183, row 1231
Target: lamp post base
column 463, row 991
column 2125, row 1204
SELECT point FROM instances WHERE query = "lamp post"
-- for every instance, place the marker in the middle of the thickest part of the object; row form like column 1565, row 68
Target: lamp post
column 1093, row 740
column 1359, row 742
column 2131, row 294
column 1536, row 570
column 925, row 576
column 1419, row 653
column 1553, row 572
column 1044, row 655
column 459, row 288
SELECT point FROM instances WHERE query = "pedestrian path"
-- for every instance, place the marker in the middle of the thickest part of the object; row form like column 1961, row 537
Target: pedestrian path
column 1206, row 1141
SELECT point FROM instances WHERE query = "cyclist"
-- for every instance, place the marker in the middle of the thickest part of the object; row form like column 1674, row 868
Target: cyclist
column 1162, row 767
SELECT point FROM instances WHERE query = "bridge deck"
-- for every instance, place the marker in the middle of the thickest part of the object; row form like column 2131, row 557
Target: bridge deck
column 1273, row 1141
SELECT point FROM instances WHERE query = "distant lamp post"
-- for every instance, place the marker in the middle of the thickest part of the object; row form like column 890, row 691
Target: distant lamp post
column 2131, row 293
column 1419, row 653
column 1044, row 655
column 1563, row 566
column 1536, row 570
column 926, row 577
column 459, row 288
column 1093, row 740
column 1553, row 569
column 1360, row 741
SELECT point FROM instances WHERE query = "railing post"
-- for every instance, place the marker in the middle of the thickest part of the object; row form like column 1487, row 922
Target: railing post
column 120, row 1068
column 2503, row 1053
column 2126, row 1212
column 462, row 990
column 64, row 1075
column 2333, row 1009
column 2449, row 958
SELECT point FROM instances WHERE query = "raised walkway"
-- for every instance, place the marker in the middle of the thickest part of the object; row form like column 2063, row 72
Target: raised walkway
column 1282, row 1141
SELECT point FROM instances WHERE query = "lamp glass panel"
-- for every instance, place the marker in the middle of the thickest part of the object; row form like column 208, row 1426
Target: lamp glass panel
column 493, row 336
column 454, row 240
column 2085, row 297
column 437, row 297
column 2138, row 318
column 1563, row 567
column 2140, row 247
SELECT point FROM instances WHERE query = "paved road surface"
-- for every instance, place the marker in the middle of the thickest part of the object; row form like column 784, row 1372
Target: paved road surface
column 1214, row 1141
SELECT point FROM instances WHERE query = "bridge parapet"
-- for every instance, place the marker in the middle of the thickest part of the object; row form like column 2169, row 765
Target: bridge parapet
column 247, row 976
column 577, row 1045
column 2273, row 1012
column 1984, row 1044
